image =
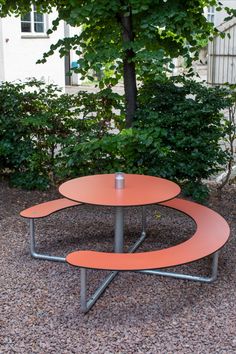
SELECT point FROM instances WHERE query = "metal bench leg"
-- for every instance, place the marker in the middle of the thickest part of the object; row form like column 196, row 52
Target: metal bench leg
column 33, row 246
column 144, row 221
column 203, row 279
column 87, row 304
column 214, row 267
column 83, row 290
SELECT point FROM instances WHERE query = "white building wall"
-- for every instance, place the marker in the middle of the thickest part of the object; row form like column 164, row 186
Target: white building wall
column 73, row 57
column 20, row 51
column 220, row 15
column 2, row 76
column 222, row 55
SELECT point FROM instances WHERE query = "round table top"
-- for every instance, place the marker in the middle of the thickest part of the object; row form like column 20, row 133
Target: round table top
column 138, row 190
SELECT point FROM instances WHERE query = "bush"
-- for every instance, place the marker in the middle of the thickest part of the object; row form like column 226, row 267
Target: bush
column 47, row 136
column 176, row 135
column 38, row 124
column 189, row 114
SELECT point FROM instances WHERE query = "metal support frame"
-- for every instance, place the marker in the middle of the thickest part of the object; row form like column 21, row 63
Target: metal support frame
column 202, row 279
column 33, row 252
column 87, row 304
column 119, row 229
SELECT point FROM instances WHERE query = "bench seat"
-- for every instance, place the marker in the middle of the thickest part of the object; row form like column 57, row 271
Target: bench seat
column 47, row 208
column 41, row 211
column 211, row 234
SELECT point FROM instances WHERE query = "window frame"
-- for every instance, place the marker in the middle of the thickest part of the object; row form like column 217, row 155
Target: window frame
column 211, row 14
column 32, row 21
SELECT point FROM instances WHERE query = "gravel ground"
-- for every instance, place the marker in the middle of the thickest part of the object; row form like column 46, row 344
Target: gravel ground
column 138, row 313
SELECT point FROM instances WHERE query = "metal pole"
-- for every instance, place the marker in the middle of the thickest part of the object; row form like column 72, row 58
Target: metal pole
column 214, row 266
column 119, row 229
column 99, row 291
column 203, row 279
column 33, row 247
column 144, row 221
column 137, row 243
column 83, row 289
column 177, row 275
column 32, row 236
column 86, row 305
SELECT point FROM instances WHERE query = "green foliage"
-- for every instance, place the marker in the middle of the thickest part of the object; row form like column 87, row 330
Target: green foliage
column 131, row 39
column 189, row 116
column 37, row 123
column 162, row 30
column 126, row 151
column 47, row 137
column 176, row 135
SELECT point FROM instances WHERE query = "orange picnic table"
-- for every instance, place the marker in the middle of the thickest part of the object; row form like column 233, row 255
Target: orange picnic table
column 139, row 190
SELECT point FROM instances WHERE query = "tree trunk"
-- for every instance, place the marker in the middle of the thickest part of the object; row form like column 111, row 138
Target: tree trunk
column 130, row 85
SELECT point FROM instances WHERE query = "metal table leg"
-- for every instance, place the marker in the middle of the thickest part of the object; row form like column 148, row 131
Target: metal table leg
column 119, row 230
column 86, row 305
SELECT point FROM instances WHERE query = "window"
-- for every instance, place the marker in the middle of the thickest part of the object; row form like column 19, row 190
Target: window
column 33, row 22
column 211, row 14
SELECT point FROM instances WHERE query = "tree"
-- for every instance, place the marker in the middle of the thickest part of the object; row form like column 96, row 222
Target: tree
column 133, row 39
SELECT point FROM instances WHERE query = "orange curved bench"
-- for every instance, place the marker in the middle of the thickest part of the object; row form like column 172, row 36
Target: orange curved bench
column 211, row 234
column 40, row 211
column 47, row 208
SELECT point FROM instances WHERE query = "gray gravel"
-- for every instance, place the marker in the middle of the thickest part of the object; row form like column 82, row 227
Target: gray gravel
column 40, row 310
